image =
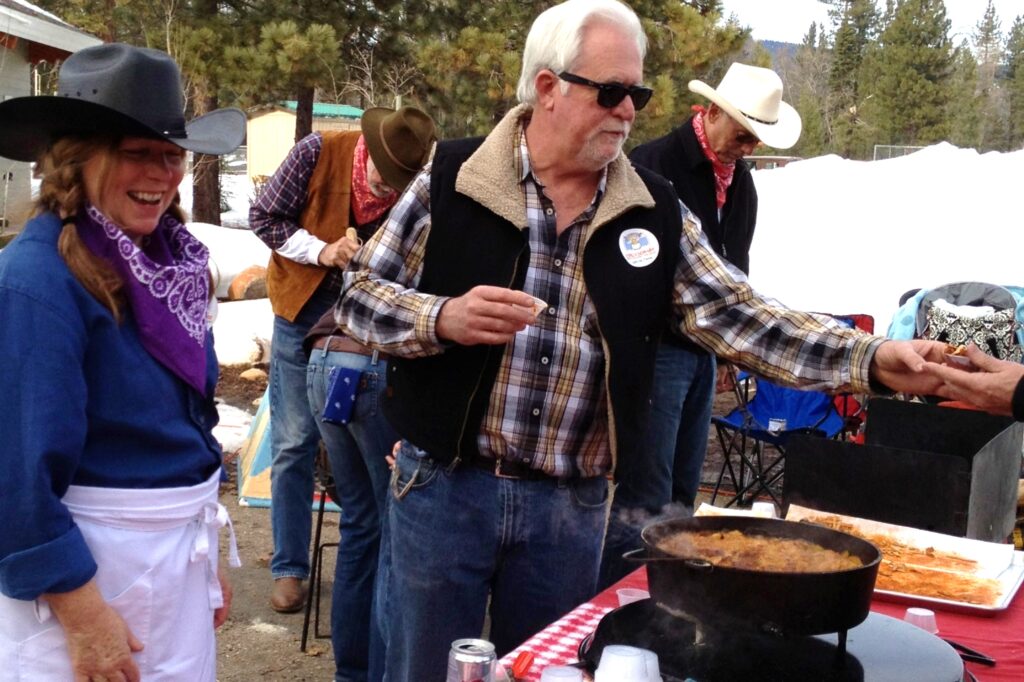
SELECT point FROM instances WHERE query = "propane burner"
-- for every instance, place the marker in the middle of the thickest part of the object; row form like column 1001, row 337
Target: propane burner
column 880, row 648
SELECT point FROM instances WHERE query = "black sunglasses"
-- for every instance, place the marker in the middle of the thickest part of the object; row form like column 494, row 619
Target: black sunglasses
column 610, row 94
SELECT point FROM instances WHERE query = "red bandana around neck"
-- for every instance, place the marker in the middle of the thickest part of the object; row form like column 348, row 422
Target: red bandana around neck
column 366, row 206
column 723, row 171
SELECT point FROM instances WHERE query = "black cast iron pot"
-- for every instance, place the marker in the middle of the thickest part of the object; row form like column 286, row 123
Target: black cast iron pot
column 728, row 599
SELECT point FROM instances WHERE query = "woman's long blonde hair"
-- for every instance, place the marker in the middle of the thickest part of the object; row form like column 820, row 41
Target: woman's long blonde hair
column 62, row 192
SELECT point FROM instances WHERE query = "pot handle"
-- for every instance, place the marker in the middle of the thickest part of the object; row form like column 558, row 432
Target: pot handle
column 699, row 565
column 634, row 556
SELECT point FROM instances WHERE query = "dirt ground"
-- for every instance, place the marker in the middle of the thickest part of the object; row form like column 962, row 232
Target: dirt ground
column 259, row 644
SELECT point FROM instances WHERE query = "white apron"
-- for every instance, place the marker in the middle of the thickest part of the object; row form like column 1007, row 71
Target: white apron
column 156, row 552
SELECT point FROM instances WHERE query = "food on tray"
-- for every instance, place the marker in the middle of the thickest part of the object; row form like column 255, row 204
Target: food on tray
column 735, row 549
column 925, row 572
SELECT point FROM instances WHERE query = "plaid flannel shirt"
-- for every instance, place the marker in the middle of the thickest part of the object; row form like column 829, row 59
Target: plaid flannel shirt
column 557, row 365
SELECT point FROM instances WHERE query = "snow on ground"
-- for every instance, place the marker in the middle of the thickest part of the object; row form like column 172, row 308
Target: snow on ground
column 845, row 236
column 231, row 252
column 242, row 331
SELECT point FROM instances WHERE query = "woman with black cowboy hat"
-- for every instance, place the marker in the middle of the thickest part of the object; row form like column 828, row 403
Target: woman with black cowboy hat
column 108, row 466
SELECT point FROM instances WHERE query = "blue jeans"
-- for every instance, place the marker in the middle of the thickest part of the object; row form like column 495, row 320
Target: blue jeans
column 357, row 452
column 457, row 536
column 293, row 440
column 671, row 461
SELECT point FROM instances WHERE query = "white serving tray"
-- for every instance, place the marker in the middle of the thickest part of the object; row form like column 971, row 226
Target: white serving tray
column 994, row 560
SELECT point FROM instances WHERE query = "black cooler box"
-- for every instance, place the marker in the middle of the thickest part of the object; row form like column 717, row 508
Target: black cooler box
column 936, row 468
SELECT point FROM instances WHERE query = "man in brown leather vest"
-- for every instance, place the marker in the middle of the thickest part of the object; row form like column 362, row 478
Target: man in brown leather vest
column 329, row 182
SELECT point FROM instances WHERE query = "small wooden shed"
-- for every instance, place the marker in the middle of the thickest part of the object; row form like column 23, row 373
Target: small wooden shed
column 271, row 131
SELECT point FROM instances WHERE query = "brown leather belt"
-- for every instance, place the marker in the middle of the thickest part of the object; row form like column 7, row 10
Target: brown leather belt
column 343, row 344
column 503, row 468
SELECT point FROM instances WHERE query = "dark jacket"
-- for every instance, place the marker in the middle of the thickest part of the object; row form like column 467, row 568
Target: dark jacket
column 679, row 158
column 438, row 402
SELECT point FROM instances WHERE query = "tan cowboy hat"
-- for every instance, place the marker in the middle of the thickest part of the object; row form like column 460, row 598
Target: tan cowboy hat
column 115, row 89
column 399, row 142
column 753, row 97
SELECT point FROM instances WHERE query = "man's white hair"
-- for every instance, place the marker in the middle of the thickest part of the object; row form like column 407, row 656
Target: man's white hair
column 557, row 33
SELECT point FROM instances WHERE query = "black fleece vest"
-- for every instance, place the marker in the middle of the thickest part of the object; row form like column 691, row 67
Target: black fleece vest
column 438, row 402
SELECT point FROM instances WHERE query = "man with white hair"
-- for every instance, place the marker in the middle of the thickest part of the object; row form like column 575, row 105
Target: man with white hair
column 703, row 159
column 520, row 285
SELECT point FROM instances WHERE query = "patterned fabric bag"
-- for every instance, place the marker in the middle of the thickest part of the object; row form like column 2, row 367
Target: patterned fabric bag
column 993, row 332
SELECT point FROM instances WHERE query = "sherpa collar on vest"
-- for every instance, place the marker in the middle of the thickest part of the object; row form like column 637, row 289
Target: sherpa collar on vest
column 489, row 174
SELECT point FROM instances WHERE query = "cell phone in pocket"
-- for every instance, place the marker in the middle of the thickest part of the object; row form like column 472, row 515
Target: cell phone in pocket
column 342, row 386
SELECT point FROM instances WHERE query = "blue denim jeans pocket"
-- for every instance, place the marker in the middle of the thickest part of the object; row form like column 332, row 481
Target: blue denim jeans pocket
column 590, row 493
column 413, row 469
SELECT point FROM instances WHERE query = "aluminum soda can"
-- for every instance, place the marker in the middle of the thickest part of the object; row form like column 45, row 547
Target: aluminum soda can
column 471, row 660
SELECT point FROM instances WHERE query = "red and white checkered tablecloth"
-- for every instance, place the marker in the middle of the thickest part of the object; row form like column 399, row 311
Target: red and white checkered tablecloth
column 558, row 644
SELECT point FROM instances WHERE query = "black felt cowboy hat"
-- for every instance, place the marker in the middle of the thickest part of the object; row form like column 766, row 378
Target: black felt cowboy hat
column 115, row 89
column 399, row 142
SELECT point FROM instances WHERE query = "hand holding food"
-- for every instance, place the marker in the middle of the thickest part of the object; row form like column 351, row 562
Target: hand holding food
column 957, row 357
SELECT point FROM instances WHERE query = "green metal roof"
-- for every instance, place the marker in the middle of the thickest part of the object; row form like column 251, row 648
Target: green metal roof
column 324, row 110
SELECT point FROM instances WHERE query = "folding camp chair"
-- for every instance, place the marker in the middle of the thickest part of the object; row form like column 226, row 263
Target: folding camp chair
column 753, row 436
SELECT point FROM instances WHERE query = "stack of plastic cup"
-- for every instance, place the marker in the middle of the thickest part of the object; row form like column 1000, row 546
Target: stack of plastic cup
column 922, row 618
column 653, row 669
column 627, row 664
column 628, row 595
column 561, row 673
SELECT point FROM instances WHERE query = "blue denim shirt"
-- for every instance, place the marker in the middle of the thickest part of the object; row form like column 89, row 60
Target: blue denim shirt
column 84, row 404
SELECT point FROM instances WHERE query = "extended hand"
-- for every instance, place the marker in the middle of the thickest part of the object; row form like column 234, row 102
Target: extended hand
column 900, row 365
column 338, row 254
column 485, row 314
column 990, row 388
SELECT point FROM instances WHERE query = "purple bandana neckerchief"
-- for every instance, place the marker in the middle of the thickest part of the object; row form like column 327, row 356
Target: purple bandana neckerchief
column 167, row 286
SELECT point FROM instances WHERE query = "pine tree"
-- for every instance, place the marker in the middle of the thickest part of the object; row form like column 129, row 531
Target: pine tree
column 964, row 116
column 904, row 78
column 1015, row 85
column 988, row 93
column 805, row 75
column 685, row 43
column 856, row 25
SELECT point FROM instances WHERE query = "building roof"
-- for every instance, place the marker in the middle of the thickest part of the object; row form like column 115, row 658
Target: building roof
column 325, row 110
column 24, row 20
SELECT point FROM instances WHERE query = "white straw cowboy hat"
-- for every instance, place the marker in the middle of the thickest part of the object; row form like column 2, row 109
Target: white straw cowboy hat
column 753, row 97
column 115, row 89
column 399, row 142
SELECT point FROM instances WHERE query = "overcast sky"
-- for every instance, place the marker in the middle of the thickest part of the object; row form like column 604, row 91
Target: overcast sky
column 788, row 20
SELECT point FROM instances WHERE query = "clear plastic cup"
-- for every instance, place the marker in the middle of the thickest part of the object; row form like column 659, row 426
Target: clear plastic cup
column 561, row 673
column 922, row 618
column 653, row 669
column 622, row 664
column 628, row 595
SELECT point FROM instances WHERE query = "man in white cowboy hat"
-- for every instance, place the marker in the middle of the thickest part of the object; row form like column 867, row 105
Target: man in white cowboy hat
column 703, row 158
column 328, row 183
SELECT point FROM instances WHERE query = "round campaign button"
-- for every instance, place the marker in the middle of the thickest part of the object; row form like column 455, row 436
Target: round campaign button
column 639, row 247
